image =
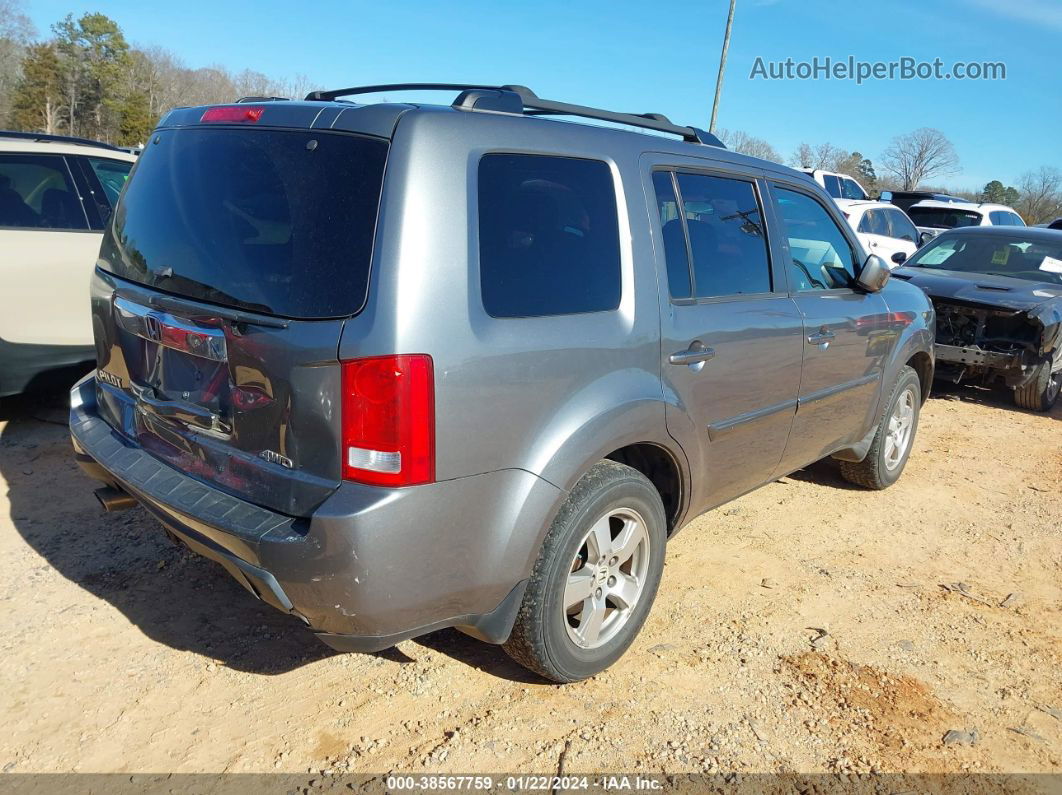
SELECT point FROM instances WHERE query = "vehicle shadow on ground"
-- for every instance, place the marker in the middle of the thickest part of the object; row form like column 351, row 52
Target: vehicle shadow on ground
column 994, row 397
column 827, row 472
column 485, row 657
column 172, row 595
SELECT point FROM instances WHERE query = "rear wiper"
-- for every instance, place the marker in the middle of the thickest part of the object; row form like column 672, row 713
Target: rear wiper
column 234, row 315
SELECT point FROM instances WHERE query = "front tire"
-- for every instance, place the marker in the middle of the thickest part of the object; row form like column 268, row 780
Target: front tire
column 894, row 438
column 596, row 577
column 1041, row 393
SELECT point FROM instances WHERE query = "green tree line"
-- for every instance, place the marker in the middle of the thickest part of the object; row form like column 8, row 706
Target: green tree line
column 87, row 80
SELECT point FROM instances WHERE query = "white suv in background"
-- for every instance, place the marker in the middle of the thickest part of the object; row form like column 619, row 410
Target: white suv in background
column 56, row 196
column 934, row 217
column 883, row 229
column 839, row 186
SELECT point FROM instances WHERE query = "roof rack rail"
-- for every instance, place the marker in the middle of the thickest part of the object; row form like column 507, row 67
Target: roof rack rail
column 64, row 139
column 522, row 100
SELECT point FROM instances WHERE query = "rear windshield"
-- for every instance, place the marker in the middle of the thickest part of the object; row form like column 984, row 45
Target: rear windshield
column 280, row 222
column 943, row 217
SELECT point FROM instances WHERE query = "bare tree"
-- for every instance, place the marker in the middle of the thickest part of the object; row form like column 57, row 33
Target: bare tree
column 825, row 156
column 299, row 86
column 741, row 141
column 918, row 156
column 1040, row 195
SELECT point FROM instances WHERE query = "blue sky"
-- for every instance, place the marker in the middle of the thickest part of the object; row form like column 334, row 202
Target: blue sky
column 662, row 57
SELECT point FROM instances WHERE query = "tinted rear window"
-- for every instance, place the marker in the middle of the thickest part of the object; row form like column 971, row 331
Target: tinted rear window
column 280, row 222
column 944, row 217
column 548, row 236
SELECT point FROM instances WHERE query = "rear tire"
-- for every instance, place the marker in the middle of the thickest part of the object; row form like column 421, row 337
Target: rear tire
column 894, row 438
column 596, row 576
column 1041, row 393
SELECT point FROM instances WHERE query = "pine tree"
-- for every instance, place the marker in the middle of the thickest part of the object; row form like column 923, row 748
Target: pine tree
column 38, row 95
column 94, row 55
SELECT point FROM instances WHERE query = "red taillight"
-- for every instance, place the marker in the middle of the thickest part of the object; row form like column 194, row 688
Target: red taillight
column 233, row 114
column 389, row 420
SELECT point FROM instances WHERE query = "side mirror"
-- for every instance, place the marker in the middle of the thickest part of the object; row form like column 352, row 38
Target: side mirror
column 899, row 257
column 875, row 274
column 925, row 237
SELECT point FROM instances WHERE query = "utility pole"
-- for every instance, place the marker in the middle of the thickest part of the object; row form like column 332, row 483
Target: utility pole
column 722, row 67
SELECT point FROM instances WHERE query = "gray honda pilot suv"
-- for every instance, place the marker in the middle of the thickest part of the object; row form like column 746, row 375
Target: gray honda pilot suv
column 400, row 367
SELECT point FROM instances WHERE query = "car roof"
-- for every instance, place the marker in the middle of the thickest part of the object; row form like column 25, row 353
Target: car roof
column 62, row 147
column 952, row 205
column 813, row 171
column 1018, row 232
column 947, row 198
column 982, row 207
column 381, row 119
column 865, row 204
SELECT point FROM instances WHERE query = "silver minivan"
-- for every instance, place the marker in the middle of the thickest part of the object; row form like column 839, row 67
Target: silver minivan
column 400, row 367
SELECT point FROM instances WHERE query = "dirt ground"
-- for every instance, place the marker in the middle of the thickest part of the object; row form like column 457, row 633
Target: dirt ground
column 804, row 627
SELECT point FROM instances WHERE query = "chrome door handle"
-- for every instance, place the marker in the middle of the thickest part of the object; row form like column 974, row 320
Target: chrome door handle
column 691, row 356
column 821, row 337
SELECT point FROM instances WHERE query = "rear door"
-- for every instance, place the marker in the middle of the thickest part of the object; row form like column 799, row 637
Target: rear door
column 846, row 336
column 47, row 252
column 730, row 334
column 224, row 283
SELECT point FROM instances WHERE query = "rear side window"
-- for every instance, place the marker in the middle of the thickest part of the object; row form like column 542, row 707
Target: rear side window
column 36, row 193
column 1005, row 218
column 874, row 223
column 901, row 226
column 548, row 236
column 832, row 185
column 112, row 175
column 274, row 221
column 724, row 237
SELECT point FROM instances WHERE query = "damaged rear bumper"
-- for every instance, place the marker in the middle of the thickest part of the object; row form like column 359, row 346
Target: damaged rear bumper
column 371, row 566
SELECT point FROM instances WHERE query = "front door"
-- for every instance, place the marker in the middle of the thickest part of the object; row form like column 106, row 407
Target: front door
column 731, row 336
column 847, row 332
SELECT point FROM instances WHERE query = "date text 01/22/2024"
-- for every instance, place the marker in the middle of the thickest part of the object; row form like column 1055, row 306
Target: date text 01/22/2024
column 615, row 783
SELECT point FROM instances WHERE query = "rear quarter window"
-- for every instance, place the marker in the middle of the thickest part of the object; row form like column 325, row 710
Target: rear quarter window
column 548, row 236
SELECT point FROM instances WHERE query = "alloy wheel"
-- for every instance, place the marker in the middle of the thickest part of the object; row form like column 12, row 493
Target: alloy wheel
column 606, row 578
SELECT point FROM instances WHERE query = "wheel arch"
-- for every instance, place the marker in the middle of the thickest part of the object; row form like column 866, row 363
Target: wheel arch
column 631, row 432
